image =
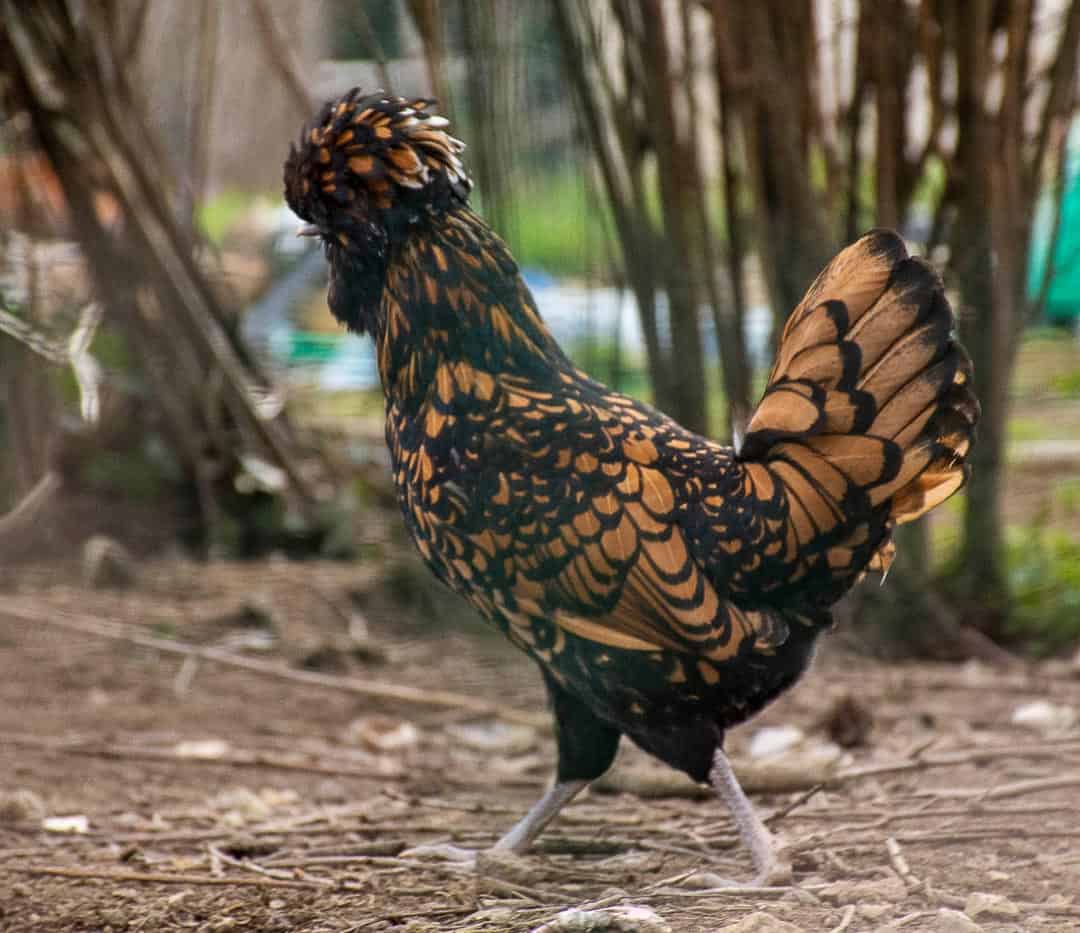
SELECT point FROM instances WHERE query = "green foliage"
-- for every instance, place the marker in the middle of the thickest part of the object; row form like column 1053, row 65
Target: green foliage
column 560, row 229
column 598, row 357
column 1067, row 384
column 931, row 185
column 1066, row 497
column 1020, row 430
column 1043, row 566
column 219, row 213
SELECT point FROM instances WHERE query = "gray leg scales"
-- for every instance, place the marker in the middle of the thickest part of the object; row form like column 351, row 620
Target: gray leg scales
column 533, row 823
column 770, row 866
column 520, row 837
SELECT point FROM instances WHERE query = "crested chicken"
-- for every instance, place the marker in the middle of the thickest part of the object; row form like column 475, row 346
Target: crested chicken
column 667, row 586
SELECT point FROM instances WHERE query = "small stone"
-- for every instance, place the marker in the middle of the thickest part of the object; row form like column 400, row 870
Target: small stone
column 381, row 733
column 21, row 806
column 1045, row 717
column 775, row 740
column 494, row 737
column 998, row 875
column 761, row 922
column 278, row 798
column 77, row 825
column 874, row 911
column 953, row 921
column 886, row 890
column 241, row 805
column 107, row 564
column 979, row 904
column 202, row 749
column 627, row 919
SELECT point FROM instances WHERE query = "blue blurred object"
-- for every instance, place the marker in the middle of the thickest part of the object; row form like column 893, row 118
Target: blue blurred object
column 1063, row 296
column 575, row 313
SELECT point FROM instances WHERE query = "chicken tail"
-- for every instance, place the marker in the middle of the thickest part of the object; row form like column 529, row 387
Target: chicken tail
column 869, row 416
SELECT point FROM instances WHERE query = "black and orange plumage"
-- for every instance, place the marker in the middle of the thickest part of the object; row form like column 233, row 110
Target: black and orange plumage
column 668, row 587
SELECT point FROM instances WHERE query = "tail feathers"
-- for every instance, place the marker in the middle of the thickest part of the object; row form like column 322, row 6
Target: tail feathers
column 868, row 416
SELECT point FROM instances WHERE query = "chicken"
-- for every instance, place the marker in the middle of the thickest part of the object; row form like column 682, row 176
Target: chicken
column 668, row 587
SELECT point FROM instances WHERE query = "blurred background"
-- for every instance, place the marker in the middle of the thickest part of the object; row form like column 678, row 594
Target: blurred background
column 670, row 174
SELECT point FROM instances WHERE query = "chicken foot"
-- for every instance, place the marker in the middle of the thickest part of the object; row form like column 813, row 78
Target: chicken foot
column 771, row 866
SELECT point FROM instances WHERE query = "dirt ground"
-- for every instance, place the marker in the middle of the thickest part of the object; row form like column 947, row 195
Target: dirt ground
column 204, row 795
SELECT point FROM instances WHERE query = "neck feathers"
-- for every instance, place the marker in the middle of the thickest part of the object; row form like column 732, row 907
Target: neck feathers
column 452, row 294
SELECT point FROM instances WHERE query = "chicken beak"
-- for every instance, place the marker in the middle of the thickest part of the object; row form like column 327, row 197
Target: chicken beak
column 309, row 230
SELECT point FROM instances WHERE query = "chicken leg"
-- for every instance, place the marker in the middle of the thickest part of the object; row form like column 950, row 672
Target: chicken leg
column 771, row 867
column 522, row 834
column 518, row 839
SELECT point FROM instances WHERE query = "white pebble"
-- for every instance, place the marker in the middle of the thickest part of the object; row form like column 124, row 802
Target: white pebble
column 775, row 740
column 953, row 921
column 1043, row 716
column 74, row 825
column 609, row 920
column 980, row 904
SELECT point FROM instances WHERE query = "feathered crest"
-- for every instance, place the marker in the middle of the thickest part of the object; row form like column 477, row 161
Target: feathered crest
column 392, row 150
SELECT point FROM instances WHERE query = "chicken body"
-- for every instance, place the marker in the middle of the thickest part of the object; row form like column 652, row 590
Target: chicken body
column 667, row 586
column 604, row 539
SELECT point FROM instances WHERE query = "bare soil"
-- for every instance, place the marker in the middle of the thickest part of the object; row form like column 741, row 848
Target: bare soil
column 221, row 798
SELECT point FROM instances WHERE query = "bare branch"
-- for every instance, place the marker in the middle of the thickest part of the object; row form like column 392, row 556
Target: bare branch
column 33, row 613
column 1061, row 98
column 280, row 57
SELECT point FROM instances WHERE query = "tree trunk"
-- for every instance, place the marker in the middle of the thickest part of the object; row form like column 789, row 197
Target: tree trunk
column 981, row 573
column 765, row 67
column 687, row 385
column 490, row 32
column 613, row 145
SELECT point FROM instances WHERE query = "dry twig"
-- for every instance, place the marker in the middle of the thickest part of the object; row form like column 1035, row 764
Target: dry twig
column 30, row 612
column 235, row 759
column 153, row 877
column 900, row 865
column 846, row 920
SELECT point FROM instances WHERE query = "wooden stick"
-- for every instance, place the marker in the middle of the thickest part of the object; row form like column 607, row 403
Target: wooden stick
column 32, row 613
column 1020, row 788
column 846, row 920
column 153, row 877
column 281, row 58
column 971, row 756
column 900, row 865
column 279, row 874
column 29, row 508
column 238, row 758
